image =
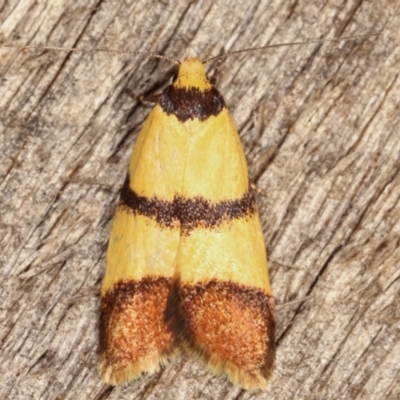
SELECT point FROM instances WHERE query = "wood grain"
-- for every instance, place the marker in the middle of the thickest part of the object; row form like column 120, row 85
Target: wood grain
column 320, row 127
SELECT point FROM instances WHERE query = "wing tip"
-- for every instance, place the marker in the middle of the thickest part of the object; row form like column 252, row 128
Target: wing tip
column 147, row 365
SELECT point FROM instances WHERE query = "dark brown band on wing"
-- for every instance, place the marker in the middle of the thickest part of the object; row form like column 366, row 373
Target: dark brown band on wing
column 226, row 322
column 190, row 103
column 160, row 210
column 199, row 212
column 132, row 324
column 190, row 213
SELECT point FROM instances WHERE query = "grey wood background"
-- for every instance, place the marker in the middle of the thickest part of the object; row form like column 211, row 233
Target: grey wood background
column 320, row 127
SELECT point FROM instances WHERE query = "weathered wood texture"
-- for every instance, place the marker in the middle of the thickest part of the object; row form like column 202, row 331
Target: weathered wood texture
column 320, row 127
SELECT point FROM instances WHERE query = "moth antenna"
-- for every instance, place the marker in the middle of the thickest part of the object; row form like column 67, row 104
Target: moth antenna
column 102, row 50
column 269, row 46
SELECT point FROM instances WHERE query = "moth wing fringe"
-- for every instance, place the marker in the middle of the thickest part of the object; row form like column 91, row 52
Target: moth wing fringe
column 145, row 366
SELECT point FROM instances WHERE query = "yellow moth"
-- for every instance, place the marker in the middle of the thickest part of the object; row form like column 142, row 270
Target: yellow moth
column 186, row 261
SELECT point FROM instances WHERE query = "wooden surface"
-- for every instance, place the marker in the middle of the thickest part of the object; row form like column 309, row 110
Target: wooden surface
column 320, row 127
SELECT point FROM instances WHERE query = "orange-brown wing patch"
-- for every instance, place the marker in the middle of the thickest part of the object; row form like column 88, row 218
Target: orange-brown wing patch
column 134, row 337
column 230, row 327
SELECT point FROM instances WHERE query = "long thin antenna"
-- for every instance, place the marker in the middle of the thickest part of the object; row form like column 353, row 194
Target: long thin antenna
column 103, row 50
column 177, row 62
column 269, row 46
